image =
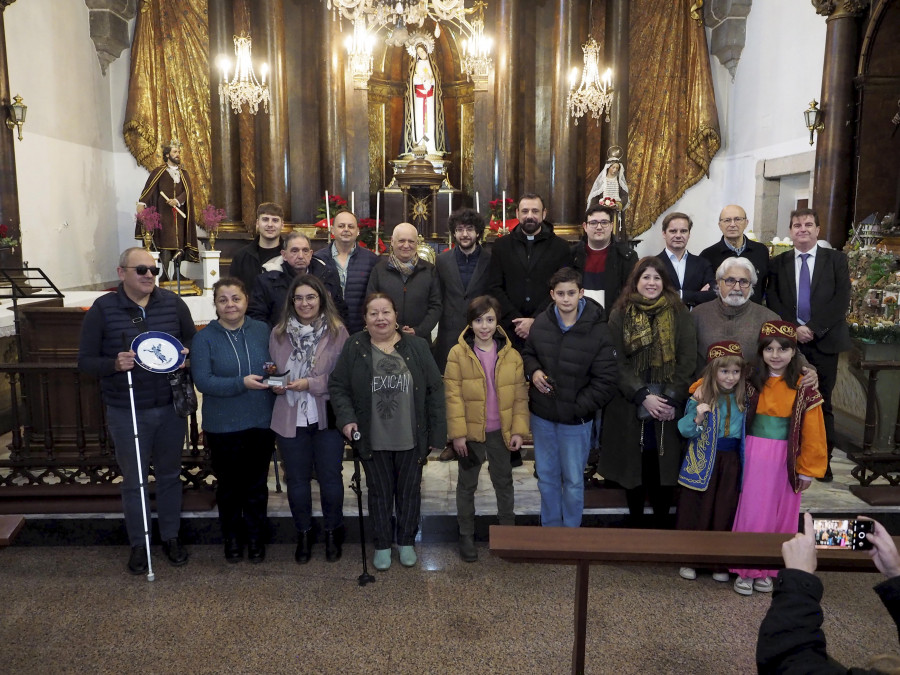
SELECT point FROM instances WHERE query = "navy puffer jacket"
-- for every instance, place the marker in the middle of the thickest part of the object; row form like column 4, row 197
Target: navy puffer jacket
column 581, row 361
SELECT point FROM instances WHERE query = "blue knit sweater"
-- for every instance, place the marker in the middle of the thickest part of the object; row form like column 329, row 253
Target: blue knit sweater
column 219, row 364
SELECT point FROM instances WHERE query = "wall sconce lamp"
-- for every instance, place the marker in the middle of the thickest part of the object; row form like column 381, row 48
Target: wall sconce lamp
column 16, row 110
column 814, row 119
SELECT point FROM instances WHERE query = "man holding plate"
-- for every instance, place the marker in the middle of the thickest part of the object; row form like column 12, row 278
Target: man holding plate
column 110, row 326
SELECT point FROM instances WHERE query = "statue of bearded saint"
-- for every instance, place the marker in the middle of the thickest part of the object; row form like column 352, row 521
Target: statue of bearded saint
column 424, row 112
column 610, row 184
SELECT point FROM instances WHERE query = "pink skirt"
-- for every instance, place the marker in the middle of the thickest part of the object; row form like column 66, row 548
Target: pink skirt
column 768, row 503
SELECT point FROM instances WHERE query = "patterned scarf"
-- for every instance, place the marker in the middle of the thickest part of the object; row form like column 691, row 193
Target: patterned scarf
column 304, row 342
column 406, row 269
column 649, row 327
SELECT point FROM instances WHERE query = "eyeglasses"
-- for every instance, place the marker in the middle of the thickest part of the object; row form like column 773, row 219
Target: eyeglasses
column 731, row 281
column 729, row 221
column 309, row 298
column 141, row 270
column 462, row 229
column 594, row 224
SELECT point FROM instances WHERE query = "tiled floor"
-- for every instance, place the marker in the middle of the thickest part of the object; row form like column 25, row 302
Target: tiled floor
column 75, row 610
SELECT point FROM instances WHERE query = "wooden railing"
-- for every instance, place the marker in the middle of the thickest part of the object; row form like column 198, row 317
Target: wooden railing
column 59, row 435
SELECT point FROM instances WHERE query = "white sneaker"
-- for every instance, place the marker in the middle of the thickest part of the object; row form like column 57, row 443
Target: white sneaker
column 722, row 577
column 743, row 586
column 688, row 573
column 763, row 585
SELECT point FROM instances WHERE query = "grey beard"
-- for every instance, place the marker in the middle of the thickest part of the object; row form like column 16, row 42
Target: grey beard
column 735, row 299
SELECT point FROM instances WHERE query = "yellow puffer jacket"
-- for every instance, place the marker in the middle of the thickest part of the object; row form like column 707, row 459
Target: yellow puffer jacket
column 465, row 388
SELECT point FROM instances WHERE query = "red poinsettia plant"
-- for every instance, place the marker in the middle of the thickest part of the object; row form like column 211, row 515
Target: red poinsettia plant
column 500, row 215
column 5, row 239
column 149, row 220
column 211, row 217
column 335, row 204
column 367, row 236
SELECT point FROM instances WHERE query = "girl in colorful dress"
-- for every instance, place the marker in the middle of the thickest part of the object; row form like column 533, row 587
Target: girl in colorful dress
column 785, row 446
column 710, row 476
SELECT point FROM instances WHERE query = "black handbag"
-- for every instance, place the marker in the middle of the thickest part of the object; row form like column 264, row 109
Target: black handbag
column 184, row 397
column 655, row 388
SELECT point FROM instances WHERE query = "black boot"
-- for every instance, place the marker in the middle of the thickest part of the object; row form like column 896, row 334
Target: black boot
column 256, row 551
column 334, row 540
column 233, row 549
column 304, row 546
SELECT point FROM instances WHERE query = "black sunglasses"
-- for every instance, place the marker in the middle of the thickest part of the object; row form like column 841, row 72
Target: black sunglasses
column 143, row 269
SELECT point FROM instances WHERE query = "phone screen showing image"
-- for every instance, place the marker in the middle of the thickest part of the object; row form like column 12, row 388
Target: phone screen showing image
column 851, row 535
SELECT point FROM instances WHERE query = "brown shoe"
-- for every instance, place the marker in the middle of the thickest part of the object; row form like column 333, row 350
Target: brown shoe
column 447, row 455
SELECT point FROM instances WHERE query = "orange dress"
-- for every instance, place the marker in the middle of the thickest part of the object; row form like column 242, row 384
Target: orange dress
column 785, row 441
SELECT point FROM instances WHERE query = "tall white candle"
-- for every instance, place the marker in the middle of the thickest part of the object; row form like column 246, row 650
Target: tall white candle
column 377, row 217
column 327, row 211
column 449, row 204
column 503, row 218
column 477, row 203
column 353, row 201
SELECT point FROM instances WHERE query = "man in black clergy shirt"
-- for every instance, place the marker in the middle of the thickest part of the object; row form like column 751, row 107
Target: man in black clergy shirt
column 522, row 263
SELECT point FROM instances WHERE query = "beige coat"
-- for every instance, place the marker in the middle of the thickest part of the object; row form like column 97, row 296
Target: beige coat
column 465, row 388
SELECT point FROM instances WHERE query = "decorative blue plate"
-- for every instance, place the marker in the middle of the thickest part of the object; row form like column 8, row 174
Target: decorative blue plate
column 157, row 352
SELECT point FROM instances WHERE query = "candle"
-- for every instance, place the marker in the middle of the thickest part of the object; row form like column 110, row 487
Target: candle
column 503, row 217
column 265, row 70
column 353, row 202
column 377, row 217
column 477, row 203
column 327, row 211
column 449, row 204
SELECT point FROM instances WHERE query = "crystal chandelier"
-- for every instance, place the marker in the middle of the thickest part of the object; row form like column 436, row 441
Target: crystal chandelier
column 476, row 64
column 244, row 88
column 359, row 53
column 394, row 16
column 594, row 94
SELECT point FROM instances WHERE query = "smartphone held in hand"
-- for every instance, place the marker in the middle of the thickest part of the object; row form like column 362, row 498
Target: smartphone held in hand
column 845, row 533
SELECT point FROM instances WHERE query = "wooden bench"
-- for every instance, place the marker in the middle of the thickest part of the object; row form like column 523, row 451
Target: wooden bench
column 9, row 528
column 584, row 547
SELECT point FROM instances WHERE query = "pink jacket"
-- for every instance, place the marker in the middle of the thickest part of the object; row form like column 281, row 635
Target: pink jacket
column 284, row 415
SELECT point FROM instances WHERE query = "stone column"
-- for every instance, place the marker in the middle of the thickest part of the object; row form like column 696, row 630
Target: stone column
column 618, row 50
column 506, row 110
column 9, row 188
column 832, row 191
column 225, row 147
column 563, row 157
column 332, row 140
column 267, row 18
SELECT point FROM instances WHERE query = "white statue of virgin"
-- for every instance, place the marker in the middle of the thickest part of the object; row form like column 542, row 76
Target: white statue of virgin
column 611, row 183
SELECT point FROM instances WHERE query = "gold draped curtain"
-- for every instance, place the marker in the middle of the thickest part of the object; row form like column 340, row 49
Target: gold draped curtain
column 673, row 132
column 168, row 96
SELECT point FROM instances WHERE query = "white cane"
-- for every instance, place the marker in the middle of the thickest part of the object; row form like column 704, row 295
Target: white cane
column 143, row 487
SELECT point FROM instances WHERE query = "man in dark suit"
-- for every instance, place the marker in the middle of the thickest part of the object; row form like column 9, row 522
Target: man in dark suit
column 463, row 275
column 811, row 287
column 693, row 276
column 734, row 244
column 604, row 264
